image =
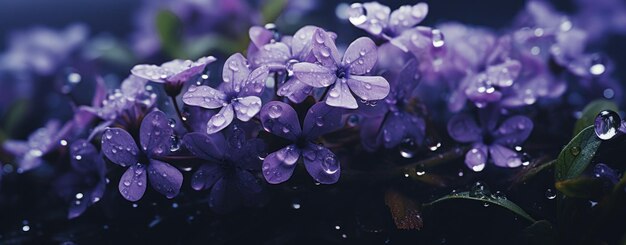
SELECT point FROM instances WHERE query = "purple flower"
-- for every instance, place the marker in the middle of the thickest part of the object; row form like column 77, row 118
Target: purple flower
column 603, row 171
column 228, row 170
column 132, row 91
column 281, row 120
column 84, row 185
column 378, row 20
column 489, row 141
column 173, row 73
column 393, row 122
column 155, row 140
column 238, row 94
column 345, row 75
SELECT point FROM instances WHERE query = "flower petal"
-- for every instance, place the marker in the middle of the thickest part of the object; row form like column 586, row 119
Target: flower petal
column 407, row 16
column 393, row 130
column 132, row 185
column 281, row 120
column 187, row 69
column 314, row 75
column 369, row 87
column 204, row 96
column 247, row 107
column 339, row 96
column 119, row 147
column 278, row 166
column 463, row 128
column 85, row 157
column 360, row 56
column 252, row 193
column 513, row 131
column 324, row 49
column 260, row 36
column 255, row 83
column 322, row 119
column 272, row 54
column 301, row 42
column 294, row 90
column 224, row 196
column 165, row 178
column 155, row 134
column 235, row 73
column 504, row 157
column 476, row 158
column 205, row 146
column 504, row 74
column 220, row 120
column 322, row 164
column 206, row 176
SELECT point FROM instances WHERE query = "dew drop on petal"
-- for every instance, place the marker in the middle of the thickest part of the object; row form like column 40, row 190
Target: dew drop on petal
column 606, row 124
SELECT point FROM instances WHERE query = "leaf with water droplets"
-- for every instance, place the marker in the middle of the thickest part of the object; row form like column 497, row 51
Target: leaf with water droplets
column 502, row 202
column 590, row 112
column 577, row 154
column 405, row 212
column 581, row 187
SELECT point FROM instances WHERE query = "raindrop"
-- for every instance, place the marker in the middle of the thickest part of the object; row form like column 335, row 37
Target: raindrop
column 330, row 165
column 597, row 66
column 606, row 124
column 357, row 14
column 171, row 122
column 275, row 111
column 353, row 120
column 480, row 190
column 575, row 150
column 174, row 143
column 407, row 148
column 25, row 228
column 550, row 194
column 79, row 195
column 437, row 37
column 218, row 120
column 295, row 205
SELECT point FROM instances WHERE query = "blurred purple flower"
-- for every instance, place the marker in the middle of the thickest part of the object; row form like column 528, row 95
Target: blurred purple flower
column 173, row 73
column 238, row 95
column 281, row 120
column 378, row 20
column 228, row 170
column 345, row 75
column 84, row 185
column 488, row 140
column 155, row 140
column 601, row 17
column 603, row 171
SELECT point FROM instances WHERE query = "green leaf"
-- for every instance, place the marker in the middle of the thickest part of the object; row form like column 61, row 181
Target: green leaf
column 581, row 187
column 577, row 154
column 169, row 28
column 272, row 9
column 590, row 112
column 502, row 202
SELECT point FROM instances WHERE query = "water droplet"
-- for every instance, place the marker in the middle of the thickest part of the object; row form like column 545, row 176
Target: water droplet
column 171, row 122
column 78, row 157
column 218, row 120
column 437, row 37
column 597, row 66
column 330, row 165
column 334, row 92
column 357, row 14
column 25, row 228
column 79, row 196
column 126, row 183
column 295, row 205
column 606, row 124
column 319, row 121
column 407, row 148
column 550, row 194
column 174, row 143
column 479, row 190
column 353, row 120
column 275, row 111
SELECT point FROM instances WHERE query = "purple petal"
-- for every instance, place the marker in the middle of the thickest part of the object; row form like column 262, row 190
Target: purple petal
column 77, row 207
column 224, row 196
column 85, row 156
column 119, row 147
column 339, row 96
column 272, row 54
column 514, row 131
column 504, row 74
column 165, row 178
column 133, row 183
column 278, row 166
column 407, row 16
column 187, row 69
column 255, row 83
column 482, row 90
column 206, row 176
column 322, row 119
column 375, row 19
column 252, row 193
column 301, row 42
column 324, row 49
column 314, row 75
column 260, row 36
column 204, row 96
column 370, row 128
column 220, row 120
column 393, row 130
column 155, row 134
column 504, row 157
column 369, row 87
column 322, row 164
column 235, row 73
column 360, row 56
column 280, row 119
column 463, row 128
column 247, row 107
column 294, row 90
column 15, row 147
column 476, row 158
column 205, row 146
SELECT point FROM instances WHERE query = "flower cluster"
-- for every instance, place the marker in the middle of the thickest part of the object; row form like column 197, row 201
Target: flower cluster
column 285, row 101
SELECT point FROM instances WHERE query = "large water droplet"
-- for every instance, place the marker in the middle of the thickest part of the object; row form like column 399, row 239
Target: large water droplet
column 357, row 14
column 550, row 194
column 218, row 120
column 437, row 37
column 330, row 165
column 174, row 143
column 407, row 148
column 606, row 124
column 275, row 111
column 597, row 66
column 479, row 190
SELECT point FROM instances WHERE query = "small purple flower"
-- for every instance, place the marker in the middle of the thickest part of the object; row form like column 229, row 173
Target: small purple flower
column 155, row 140
column 238, row 94
column 281, row 120
column 228, row 170
column 173, row 73
column 603, row 171
column 378, row 20
column 345, row 75
column 132, row 91
column 84, row 185
column 489, row 141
